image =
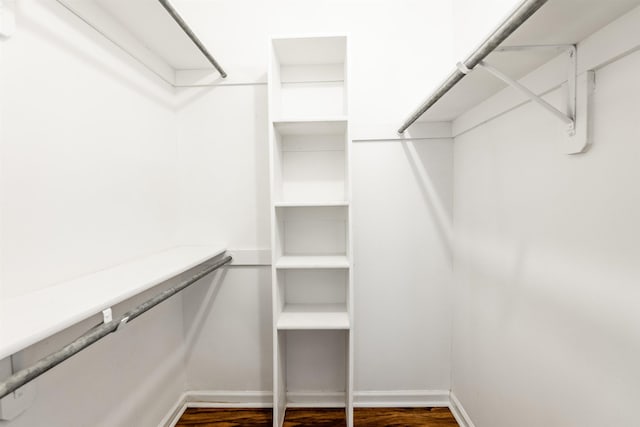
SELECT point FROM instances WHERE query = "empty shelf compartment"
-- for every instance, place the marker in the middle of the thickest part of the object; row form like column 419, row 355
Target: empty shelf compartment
column 313, row 233
column 308, row 68
column 310, row 160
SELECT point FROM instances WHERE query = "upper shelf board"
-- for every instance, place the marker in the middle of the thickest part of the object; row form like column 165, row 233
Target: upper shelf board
column 558, row 22
column 146, row 31
column 310, row 50
column 321, row 126
column 27, row 319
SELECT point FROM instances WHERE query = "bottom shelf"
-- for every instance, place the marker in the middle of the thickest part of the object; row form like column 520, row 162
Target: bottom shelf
column 313, row 316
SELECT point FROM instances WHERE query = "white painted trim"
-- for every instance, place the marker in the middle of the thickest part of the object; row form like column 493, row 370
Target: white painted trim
column 458, row 411
column 362, row 132
column 264, row 399
column 311, row 399
column 174, row 414
column 229, row 399
column 609, row 44
column 216, row 399
column 401, row 399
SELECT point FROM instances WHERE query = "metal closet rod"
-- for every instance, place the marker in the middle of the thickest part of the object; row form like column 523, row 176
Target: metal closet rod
column 26, row 375
column 511, row 24
column 176, row 17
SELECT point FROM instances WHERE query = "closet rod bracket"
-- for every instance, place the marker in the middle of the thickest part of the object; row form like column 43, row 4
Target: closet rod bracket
column 577, row 114
column 565, row 118
column 107, row 315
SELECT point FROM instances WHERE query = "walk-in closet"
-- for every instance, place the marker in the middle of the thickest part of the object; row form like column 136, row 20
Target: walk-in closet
column 329, row 213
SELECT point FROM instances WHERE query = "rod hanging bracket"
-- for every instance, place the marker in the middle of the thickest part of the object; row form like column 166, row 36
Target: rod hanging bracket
column 21, row 399
column 463, row 68
column 564, row 117
column 577, row 114
column 107, row 315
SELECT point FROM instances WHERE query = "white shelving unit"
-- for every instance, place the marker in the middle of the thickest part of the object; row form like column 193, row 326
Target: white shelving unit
column 311, row 211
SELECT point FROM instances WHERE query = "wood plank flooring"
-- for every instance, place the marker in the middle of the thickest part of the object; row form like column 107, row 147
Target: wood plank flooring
column 301, row 417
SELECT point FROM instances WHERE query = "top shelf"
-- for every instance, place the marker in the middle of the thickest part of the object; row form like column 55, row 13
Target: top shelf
column 558, row 22
column 27, row 319
column 310, row 50
column 312, row 126
column 146, row 30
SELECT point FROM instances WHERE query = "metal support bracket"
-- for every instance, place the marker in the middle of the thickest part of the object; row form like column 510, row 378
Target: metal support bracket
column 14, row 404
column 576, row 117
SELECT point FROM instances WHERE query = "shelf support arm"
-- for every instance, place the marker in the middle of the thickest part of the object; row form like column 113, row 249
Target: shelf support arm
column 567, row 119
column 580, row 90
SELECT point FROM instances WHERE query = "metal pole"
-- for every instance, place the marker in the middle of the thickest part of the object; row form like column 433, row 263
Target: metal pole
column 176, row 17
column 511, row 24
column 26, row 375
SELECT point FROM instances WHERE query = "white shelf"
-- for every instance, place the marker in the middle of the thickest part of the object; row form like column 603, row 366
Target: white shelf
column 311, row 204
column 145, row 30
column 558, row 22
column 336, row 125
column 313, row 317
column 310, row 50
column 312, row 261
column 30, row 318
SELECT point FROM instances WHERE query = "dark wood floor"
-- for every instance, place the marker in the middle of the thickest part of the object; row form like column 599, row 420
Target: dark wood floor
column 299, row 417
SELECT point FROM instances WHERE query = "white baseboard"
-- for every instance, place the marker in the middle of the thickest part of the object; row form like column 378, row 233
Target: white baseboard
column 361, row 399
column 216, row 399
column 175, row 412
column 401, row 399
column 458, row 411
column 229, row 399
column 306, row 399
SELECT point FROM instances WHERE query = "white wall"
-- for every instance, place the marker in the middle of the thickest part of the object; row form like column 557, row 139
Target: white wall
column 546, row 267
column 88, row 149
column 402, row 224
column 399, row 50
column 224, row 196
column 473, row 21
column 87, row 180
column 102, row 163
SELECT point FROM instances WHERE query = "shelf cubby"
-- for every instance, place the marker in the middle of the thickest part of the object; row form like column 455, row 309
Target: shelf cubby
column 308, row 77
column 312, row 299
column 310, row 161
column 311, row 231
